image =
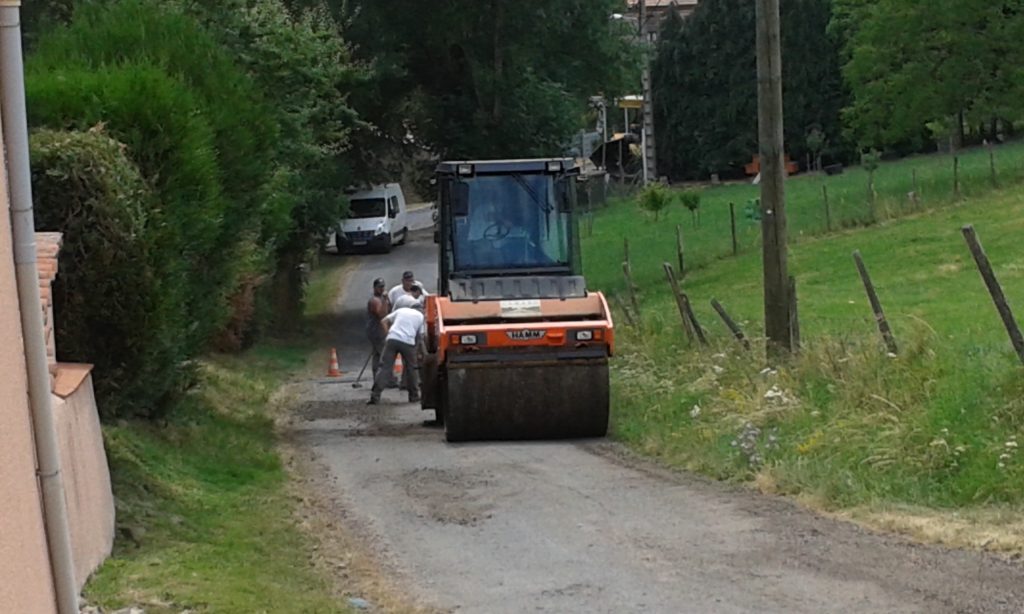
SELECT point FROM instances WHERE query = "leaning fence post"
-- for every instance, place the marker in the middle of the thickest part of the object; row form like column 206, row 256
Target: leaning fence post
column 876, row 306
column 693, row 319
column 730, row 323
column 1002, row 306
column 627, row 272
column 690, row 325
column 625, row 310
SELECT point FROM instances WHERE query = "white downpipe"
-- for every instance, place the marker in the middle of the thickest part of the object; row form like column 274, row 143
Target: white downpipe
column 15, row 137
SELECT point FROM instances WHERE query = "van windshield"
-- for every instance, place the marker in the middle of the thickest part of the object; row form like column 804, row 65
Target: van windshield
column 366, row 207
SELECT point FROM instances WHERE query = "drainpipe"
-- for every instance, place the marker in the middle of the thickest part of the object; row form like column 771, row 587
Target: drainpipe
column 15, row 137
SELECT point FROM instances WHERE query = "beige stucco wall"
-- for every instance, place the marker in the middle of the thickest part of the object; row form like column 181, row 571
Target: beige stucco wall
column 26, row 585
column 86, row 477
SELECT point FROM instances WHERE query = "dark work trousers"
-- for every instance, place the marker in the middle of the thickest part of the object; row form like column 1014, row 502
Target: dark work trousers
column 377, row 349
column 392, row 348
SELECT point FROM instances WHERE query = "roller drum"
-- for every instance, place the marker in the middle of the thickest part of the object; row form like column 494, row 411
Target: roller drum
column 559, row 399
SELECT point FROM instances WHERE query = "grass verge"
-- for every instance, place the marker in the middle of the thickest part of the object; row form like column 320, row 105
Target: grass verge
column 205, row 518
column 925, row 442
column 849, row 208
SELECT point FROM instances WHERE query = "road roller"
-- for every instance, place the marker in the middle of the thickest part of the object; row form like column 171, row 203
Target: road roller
column 517, row 347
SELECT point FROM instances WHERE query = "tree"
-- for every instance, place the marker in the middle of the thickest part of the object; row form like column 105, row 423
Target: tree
column 301, row 62
column 472, row 78
column 705, row 86
column 911, row 63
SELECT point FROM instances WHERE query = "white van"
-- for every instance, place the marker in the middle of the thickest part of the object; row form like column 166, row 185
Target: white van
column 376, row 220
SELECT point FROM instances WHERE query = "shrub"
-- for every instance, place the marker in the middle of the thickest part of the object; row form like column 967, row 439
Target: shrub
column 116, row 301
column 172, row 144
column 691, row 200
column 654, row 199
column 157, row 34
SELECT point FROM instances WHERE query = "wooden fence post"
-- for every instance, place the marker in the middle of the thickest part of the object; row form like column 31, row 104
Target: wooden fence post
column 730, row 323
column 956, row 175
column 625, row 310
column 992, row 163
column 627, row 272
column 794, row 314
column 679, row 250
column 876, row 306
column 732, row 223
column 693, row 320
column 828, row 212
column 994, row 289
column 690, row 324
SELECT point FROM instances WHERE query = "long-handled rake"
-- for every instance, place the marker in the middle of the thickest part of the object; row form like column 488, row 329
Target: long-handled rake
column 356, row 384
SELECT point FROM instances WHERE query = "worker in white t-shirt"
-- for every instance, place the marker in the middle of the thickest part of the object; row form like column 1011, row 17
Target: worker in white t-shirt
column 405, row 326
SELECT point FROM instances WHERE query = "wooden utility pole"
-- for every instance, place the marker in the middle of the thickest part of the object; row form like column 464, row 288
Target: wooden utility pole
column 777, row 317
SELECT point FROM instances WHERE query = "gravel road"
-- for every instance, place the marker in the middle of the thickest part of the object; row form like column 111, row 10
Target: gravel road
column 587, row 527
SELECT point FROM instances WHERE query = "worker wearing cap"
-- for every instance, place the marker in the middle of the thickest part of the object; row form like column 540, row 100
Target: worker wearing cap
column 404, row 338
column 404, row 288
column 377, row 307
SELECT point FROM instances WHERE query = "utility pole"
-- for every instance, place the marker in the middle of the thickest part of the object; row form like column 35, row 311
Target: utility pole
column 777, row 304
column 647, row 110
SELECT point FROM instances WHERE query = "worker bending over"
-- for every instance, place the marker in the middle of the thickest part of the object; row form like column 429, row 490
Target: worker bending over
column 405, row 326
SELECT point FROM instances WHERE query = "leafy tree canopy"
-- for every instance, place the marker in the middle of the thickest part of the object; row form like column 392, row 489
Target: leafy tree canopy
column 471, row 78
column 913, row 64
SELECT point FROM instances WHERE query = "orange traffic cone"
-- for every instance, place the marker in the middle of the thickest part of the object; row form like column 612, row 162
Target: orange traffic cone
column 332, row 369
column 398, row 367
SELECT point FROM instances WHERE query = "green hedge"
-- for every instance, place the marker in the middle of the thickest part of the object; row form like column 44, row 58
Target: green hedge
column 171, row 142
column 158, row 34
column 243, row 130
column 117, row 302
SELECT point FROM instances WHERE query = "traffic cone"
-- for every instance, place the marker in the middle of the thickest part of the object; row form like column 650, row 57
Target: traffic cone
column 398, row 367
column 332, row 369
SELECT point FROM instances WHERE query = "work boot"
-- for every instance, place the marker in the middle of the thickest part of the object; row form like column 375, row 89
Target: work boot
column 373, row 401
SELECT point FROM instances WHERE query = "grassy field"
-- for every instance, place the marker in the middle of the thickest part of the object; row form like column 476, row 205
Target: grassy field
column 205, row 518
column 848, row 203
column 843, row 426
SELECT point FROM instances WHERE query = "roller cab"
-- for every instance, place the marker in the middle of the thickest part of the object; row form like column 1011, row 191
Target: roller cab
column 518, row 347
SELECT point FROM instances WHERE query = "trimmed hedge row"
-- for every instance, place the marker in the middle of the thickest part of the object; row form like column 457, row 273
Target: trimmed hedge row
column 172, row 144
column 116, row 301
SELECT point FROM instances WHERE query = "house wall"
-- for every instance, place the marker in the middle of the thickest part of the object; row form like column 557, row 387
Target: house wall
column 84, row 470
column 26, row 584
